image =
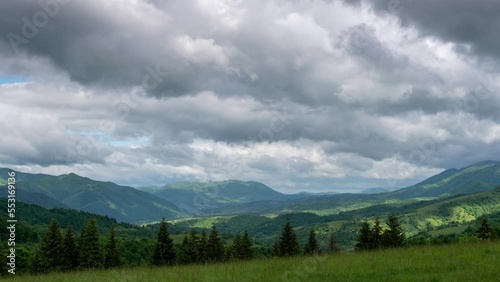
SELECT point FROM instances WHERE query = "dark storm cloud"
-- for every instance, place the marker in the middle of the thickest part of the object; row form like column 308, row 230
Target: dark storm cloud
column 160, row 48
column 361, row 43
column 472, row 25
column 415, row 99
column 113, row 49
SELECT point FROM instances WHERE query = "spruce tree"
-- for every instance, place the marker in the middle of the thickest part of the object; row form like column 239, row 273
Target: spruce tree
column 184, row 251
column 242, row 247
column 70, row 250
column 236, row 247
column 484, row 231
column 163, row 250
column 202, row 247
column 288, row 244
column 332, row 246
column 312, row 245
column 275, row 250
column 364, row 237
column 112, row 258
column 189, row 248
column 246, row 243
column 376, row 235
column 215, row 248
column 51, row 250
column 89, row 246
column 394, row 236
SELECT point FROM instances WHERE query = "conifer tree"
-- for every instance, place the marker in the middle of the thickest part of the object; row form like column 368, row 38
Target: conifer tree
column 215, row 248
column 394, row 236
column 236, row 247
column 288, row 244
column 312, row 245
column 246, row 243
column 89, row 246
column 275, row 250
column 70, row 250
column 184, row 251
column 376, row 235
column 364, row 237
column 332, row 246
column 189, row 248
column 112, row 258
column 202, row 247
column 242, row 246
column 484, row 231
column 163, row 251
column 51, row 250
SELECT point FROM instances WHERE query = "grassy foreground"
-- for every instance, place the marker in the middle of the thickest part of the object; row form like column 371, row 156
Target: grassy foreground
column 461, row 262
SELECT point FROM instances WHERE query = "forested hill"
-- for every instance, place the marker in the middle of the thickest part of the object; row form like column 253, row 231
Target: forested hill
column 106, row 198
column 479, row 177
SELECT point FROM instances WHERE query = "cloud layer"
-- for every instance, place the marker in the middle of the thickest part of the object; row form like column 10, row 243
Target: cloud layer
column 301, row 95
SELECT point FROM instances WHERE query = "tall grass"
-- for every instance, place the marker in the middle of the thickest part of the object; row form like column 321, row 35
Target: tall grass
column 477, row 261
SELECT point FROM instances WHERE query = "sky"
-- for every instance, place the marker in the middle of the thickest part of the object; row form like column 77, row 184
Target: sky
column 301, row 95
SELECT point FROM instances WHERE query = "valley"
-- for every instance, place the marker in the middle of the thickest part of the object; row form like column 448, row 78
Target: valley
column 446, row 203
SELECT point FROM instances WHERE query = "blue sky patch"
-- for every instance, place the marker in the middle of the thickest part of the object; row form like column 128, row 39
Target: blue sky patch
column 12, row 79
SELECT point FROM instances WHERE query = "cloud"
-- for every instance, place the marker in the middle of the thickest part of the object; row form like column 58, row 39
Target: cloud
column 473, row 34
column 301, row 95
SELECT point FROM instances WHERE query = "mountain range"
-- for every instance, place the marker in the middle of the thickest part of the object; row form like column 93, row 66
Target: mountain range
column 106, row 198
column 188, row 199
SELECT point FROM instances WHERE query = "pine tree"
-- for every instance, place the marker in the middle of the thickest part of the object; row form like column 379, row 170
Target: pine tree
column 70, row 250
column 246, row 251
column 364, row 237
column 189, row 249
column 312, row 246
column 332, row 246
column 202, row 247
column 215, row 248
column 89, row 246
column 484, row 231
column 184, row 255
column 163, row 251
column 288, row 244
column 242, row 247
column 376, row 235
column 236, row 247
column 112, row 258
column 275, row 250
column 394, row 236
column 51, row 250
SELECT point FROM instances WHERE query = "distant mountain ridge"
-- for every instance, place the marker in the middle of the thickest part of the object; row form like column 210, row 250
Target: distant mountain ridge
column 194, row 197
column 478, row 177
column 230, row 197
column 106, row 198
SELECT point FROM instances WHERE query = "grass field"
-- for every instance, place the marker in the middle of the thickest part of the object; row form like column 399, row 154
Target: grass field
column 479, row 261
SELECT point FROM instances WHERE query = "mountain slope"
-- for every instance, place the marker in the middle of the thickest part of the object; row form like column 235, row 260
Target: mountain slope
column 195, row 196
column 105, row 198
column 479, row 177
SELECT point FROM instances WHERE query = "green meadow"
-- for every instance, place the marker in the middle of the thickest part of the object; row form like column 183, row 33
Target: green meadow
column 472, row 261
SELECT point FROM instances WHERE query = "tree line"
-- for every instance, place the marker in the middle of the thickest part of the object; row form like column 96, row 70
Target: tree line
column 64, row 251
column 376, row 237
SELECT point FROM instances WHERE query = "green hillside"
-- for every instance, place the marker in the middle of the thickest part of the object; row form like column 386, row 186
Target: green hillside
column 196, row 197
column 479, row 177
column 443, row 215
column 106, row 198
column 235, row 197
